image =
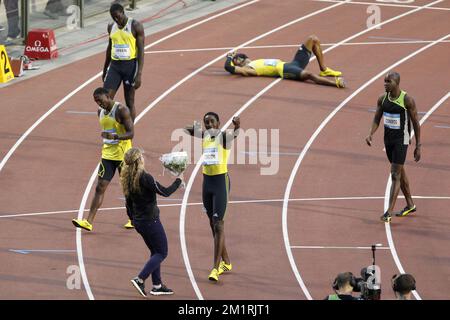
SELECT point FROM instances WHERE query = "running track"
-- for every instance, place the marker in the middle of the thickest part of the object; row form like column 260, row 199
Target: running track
column 273, row 243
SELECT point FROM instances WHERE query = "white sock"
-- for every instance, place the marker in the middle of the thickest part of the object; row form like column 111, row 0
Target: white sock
column 157, row 287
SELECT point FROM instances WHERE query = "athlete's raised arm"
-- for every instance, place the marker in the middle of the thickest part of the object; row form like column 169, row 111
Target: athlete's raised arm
column 231, row 68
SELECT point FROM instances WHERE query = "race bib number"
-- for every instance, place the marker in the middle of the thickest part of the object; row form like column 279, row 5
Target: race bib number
column 270, row 62
column 210, row 156
column 110, row 141
column 391, row 121
column 122, row 51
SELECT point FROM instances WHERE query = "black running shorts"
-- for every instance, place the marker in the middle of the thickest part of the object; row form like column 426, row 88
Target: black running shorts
column 107, row 168
column 215, row 195
column 396, row 152
column 121, row 71
column 293, row 69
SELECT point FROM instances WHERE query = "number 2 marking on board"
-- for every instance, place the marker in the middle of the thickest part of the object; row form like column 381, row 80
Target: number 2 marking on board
column 4, row 59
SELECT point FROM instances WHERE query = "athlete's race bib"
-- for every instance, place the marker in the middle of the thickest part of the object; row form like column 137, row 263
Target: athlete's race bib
column 391, row 121
column 270, row 62
column 122, row 51
column 110, row 141
column 210, row 156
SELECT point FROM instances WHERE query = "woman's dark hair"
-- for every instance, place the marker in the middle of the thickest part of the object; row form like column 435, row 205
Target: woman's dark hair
column 215, row 115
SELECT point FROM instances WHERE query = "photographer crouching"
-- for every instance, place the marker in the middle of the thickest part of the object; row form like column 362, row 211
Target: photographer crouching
column 343, row 287
column 403, row 286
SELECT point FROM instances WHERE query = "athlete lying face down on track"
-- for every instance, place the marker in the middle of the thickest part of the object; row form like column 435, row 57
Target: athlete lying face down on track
column 239, row 63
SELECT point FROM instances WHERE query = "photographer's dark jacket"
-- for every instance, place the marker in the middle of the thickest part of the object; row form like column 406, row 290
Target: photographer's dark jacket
column 143, row 205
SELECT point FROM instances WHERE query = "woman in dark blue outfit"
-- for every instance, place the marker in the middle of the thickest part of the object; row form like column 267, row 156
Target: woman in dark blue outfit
column 140, row 191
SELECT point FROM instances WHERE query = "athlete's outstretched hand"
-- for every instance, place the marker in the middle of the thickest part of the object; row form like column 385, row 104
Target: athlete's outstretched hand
column 369, row 141
column 236, row 122
column 137, row 82
column 181, row 177
column 231, row 54
column 417, row 154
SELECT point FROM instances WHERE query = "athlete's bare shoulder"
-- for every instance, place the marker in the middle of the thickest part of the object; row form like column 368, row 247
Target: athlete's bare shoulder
column 110, row 25
column 409, row 101
column 136, row 24
column 381, row 98
column 122, row 108
column 123, row 113
column 137, row 28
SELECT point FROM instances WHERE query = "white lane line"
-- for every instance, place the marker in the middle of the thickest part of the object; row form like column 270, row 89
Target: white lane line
column 437, row 105
column 312, row 139
column 387, row 192
column 92, row 179
column 82, row 86
column 44, row 213
column 197, row 166
column 27, row 251
column 344, row 248
column 385, row 4
column 331, row 115
column 192, row 177
column 394, row 39
column 42, row 118
column 442, row 127
column 364, row 43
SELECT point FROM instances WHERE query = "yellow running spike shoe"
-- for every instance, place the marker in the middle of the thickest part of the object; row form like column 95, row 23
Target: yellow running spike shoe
column 128, row 225
column 407, row 210
column 214, row 275
column 328, row 72
column 83, row 224
column 223, row 267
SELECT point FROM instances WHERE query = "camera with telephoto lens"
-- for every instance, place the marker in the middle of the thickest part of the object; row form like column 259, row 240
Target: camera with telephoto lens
column 368, row 285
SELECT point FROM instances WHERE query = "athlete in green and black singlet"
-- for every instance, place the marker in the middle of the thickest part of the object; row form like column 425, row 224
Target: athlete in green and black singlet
column 397, row 124
column 399, row 111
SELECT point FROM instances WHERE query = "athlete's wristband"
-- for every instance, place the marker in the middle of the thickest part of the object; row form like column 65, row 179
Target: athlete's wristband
column 228, row 66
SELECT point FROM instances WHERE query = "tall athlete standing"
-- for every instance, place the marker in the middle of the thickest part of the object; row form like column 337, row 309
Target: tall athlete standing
column 399, row 110
column 124, row 56
column 117, row 132
column 216, row 183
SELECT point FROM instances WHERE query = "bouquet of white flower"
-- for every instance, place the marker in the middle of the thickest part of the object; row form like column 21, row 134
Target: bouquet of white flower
column 175, row 162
